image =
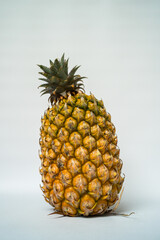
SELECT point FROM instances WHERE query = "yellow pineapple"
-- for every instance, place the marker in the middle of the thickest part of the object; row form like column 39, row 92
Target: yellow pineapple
column 80, row 164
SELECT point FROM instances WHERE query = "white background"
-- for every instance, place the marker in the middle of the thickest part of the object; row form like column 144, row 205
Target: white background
column 117, row 44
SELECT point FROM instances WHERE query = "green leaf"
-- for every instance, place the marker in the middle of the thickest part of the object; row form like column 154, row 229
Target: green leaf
column 57, row 80
column 57, row 64
column 61, row 74
column 79, row 88
column 45, row 80
column 51, row 63
column 65, row 66
column 78, row 80
column 48, row 90
column 69, row 87
column 44, row 74
column 70, row 80
column 44, row 85
column 59, row 89
column 79, row 77
column 72, row 72
column 62, row 60
column 54, row 80
column 80, row 84
column 45, row 69
column 54, row 70
column 63, row 83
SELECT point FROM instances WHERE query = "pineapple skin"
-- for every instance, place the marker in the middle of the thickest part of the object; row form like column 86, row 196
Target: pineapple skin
column 80, row 164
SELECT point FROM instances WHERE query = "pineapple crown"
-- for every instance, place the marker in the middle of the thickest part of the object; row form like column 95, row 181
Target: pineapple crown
column 58, row 82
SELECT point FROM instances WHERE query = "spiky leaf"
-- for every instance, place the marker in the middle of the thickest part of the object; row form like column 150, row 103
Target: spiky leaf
column 58, row 80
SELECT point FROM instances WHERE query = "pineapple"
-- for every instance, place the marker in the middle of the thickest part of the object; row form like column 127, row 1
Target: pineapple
column 80, row 164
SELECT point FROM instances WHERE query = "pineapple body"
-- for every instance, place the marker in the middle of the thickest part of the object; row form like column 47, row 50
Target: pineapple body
column 80, row 164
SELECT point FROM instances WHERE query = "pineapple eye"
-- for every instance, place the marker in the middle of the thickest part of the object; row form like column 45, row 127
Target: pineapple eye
column 74, row 166
column 75, row 139
column 59, row 120
column 81, row 154
column 70, row 124
column 80, row 184
column 63, row 135
column 78, row 114
column 89, row 143
column 90, row 118
column 96, row 157
column 95, row 189
column 83, row 128
column 89, row 170
column 68, row 150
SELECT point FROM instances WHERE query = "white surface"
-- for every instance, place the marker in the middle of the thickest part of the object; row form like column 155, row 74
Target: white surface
column 26, row 217
column 117, row 45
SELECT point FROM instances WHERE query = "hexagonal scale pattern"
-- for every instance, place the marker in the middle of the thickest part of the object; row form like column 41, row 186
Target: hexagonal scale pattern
column 80, row 164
